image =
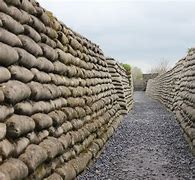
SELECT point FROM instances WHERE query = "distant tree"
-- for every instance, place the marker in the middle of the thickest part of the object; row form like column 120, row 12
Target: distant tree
column 127, row 67
column 137, row 73
column 161, row 67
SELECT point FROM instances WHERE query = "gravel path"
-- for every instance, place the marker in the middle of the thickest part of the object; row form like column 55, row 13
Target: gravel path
column 147, row 145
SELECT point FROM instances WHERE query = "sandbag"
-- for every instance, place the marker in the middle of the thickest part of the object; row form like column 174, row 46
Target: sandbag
column 58, row 117
column 48, row 52
column 29, row 31
column 33, row 156
column 60, row 68
column 56, row 131
column 43, row 106
column 15, row 91
column 42, row 121
column 9, row 38
column 65, row 58
column 67, row 126
column 73, row 102
column 8, row 55
column 40, row 76
column 4, row 74
column 67, row 171
column 38, row 92
column 24, row 108
column 27, row 6
column 44, row 64
column 30, row 45
column 26, row 59
column 54, row 176
column 6, row 148
column 11, row 2
column 45, row 39
column 62, row 37
column 14, row 169
column 37, row 24
column 18, row 125
column 20, row 145
column 5, row 111
column 51, row 33
column 21, row 73
column 65, row 140
column 2, row 130
column 11, row 24
column 52, row 146
column 1, row 97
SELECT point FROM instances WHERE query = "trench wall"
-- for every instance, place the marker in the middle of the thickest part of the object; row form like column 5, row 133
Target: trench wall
column 176, row 90
column 60, row 101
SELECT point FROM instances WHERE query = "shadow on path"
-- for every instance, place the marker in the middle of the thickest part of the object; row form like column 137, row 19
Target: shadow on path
column 147, row 145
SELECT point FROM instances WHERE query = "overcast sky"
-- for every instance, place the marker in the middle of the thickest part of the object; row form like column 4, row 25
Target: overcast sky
column 140, row 33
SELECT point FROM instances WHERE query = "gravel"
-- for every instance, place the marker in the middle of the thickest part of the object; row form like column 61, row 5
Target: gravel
column 147, row 145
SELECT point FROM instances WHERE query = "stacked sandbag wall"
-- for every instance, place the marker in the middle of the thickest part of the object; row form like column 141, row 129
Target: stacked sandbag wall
column 58, row 105
column 126, row 79
column 122, row 85
column 176, row 90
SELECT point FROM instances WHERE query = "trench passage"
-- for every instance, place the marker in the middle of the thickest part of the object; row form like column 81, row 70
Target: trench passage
column 148, row 144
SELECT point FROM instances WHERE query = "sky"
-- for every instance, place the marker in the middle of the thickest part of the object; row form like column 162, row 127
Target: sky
column 138, row 32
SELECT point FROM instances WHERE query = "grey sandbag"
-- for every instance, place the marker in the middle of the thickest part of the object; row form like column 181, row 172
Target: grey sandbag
column 2, row 130
column 60, row 68
column 28, row 7
column 21, row 73
column 11, row 24
column 33, row 156
column 54, row 176
column 9, row 38
column 51, row 33
column 24, row 108
column 45, row 39
column 6, row 148
column 52, row 146
column 30, row 45
column 29, row 31
column 8, row 55
column 58, row 117
column 44, row 64
column 20, row 145
column 62, row 37
column 41, row 76
column 66, row 140
column 42, row 121
column 67, row 171
column 15, row 2
column 18, row 125
column 4, row 74
column 49, row 52
column 37, row 24
column 5, row 111
column 14, row 169
column 65, row 58
column 38, row 92
column 15, row 91
column 26, row 59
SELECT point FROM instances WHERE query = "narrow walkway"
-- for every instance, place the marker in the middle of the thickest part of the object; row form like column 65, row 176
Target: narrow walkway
column 147, row 145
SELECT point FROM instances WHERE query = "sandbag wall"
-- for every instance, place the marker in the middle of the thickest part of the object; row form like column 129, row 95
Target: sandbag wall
column 122, row 85
column 176, row 90
column 58, row 105
column 126, row 80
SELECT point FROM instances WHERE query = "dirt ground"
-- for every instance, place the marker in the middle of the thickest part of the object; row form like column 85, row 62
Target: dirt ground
column 147, row 145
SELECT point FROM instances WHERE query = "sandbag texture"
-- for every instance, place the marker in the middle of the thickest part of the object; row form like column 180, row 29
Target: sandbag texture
column 176, row 90
column 59, row 99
